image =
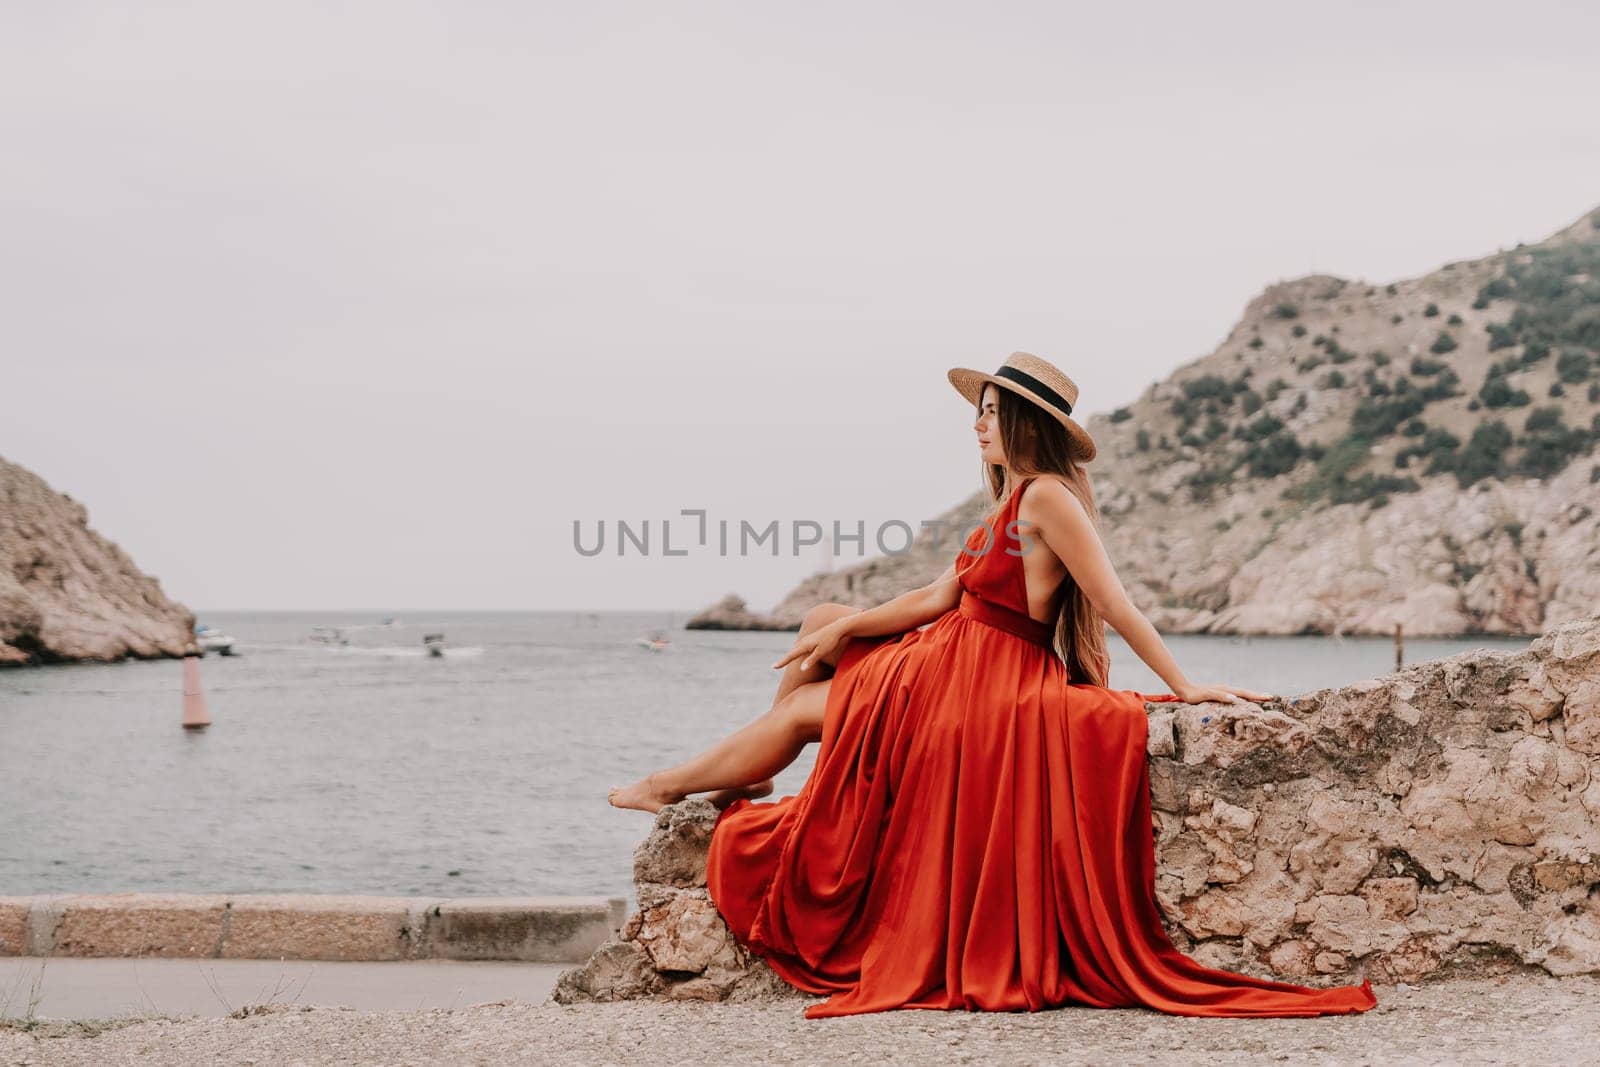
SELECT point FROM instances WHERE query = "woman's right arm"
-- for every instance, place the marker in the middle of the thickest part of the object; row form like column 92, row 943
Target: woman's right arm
column 906, row 611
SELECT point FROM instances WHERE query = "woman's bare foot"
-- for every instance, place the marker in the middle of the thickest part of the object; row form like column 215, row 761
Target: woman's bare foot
column 723, row 797
column 642, row 795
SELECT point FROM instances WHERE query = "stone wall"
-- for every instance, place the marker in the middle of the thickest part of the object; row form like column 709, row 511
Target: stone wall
column 1441, row 820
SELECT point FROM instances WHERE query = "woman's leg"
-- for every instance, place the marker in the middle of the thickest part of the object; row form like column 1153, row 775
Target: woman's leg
column 743, row 763
column 793, row 677
column 752, row 754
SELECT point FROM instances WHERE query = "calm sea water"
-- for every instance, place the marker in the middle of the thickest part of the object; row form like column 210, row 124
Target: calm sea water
column 375, row 769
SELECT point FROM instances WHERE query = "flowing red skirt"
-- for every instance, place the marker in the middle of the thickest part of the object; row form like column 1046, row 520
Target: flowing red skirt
column 976, row 834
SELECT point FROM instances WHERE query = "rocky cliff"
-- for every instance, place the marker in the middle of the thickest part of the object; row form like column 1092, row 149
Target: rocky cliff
column 1352, row 456
column 1438, row 821
column 67, row 593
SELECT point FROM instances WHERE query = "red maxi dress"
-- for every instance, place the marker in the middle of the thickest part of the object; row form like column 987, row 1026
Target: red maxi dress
column 976, row 833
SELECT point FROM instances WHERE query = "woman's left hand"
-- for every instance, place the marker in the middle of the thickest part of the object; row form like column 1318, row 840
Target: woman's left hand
column 1226, row 694
column 812, row 647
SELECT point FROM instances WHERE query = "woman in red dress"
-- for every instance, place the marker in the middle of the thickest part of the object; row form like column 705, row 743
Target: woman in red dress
column 976, row 832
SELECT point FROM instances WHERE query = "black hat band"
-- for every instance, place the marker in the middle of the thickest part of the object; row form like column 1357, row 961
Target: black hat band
column 1027, row 380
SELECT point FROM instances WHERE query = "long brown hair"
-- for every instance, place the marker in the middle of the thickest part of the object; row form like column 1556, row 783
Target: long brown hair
column 1035, row 444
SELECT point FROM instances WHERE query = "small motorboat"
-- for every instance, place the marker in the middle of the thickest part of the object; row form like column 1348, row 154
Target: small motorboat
column 328, row 635
column 656, row 642
column 213, row 640
column 434, row 643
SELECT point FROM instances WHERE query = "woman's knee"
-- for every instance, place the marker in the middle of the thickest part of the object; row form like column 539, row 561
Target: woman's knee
column 822, row 614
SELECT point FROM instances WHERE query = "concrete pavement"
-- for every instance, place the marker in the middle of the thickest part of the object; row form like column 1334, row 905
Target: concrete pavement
column 74, row 988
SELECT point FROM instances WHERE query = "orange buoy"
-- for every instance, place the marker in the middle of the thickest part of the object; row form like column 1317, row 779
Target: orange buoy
column 195, row 716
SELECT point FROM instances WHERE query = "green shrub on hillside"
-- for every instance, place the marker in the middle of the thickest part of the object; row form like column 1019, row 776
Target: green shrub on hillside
column 1424, row 368
column 1441, row 388
column 1121, row 415
column 1262, row 428
column 1299, row 330
column 1377, row 418
column 1374, row 488
column 1285, row 311
column 1435, row 443
column 1548, row 444
column 1501, row 335
column 1276, row 454
column 1332, row 380
column 1442, row 344
column 1141, row 440
column 1207, row 385
column 1495, row 393
column 1453, row 320
column 1494, row 290
column 1210, row 392
column 1332, row 479
column 1483, row 457
column 1431, row 311
column 1573, row 366
column 1556, row 297
column 1203, row 482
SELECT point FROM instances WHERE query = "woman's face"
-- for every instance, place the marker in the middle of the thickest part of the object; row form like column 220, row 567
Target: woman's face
column 988, row 426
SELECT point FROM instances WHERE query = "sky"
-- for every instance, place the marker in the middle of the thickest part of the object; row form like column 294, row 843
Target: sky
column 365, row 305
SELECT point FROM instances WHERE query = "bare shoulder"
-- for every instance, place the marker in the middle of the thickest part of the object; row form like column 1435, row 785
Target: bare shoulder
column 1051, row 504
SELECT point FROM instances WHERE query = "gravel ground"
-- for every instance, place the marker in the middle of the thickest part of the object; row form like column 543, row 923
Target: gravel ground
column 1510, row 1019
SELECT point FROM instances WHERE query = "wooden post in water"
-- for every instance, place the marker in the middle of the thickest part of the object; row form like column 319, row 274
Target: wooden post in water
column 1399, row 648
column 195, row 716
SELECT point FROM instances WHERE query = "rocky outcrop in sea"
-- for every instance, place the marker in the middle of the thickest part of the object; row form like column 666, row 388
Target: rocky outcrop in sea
column 1440, row 821
column 67, row 593
column 731, row 613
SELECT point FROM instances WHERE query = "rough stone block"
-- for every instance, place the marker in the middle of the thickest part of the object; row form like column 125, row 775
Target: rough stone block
column 318, row 928
column 546, row 930
column 137, row 924
column 14, row 925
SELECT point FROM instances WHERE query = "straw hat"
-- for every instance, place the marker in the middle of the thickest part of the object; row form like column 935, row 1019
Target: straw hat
column 1037, row 380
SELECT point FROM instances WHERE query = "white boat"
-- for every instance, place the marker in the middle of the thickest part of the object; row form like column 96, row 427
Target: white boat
column 212, row 640
column 656, row 642
column 434, row 643
column 327, row 635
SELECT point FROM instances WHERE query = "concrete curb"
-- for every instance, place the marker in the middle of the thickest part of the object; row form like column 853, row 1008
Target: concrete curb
column 309, row 926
